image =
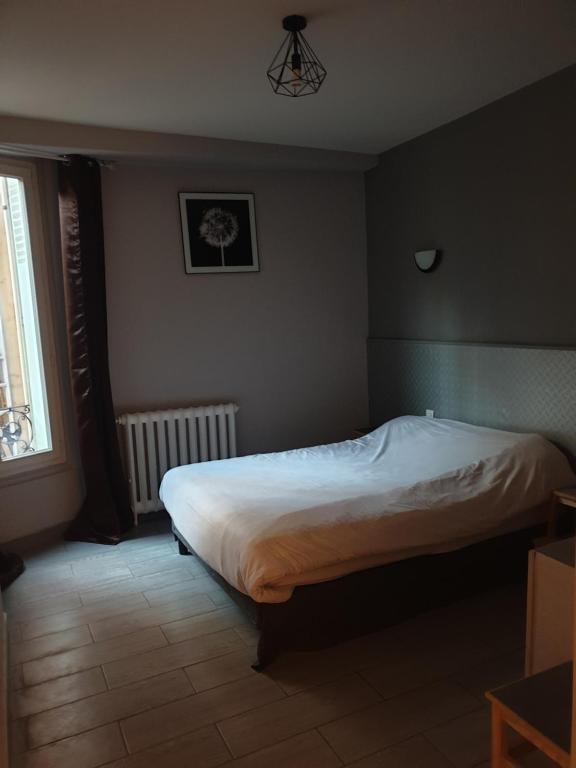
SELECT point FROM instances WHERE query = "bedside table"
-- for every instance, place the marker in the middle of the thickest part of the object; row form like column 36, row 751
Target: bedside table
column 561, row 497
column 550, row 605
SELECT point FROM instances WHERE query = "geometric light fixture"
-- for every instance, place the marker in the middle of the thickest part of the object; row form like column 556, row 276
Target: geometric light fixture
column 295, row 70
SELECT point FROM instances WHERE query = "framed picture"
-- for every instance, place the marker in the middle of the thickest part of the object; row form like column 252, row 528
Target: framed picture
column 219, row 232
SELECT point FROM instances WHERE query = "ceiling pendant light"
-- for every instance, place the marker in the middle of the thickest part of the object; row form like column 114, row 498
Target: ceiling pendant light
column 295, row 70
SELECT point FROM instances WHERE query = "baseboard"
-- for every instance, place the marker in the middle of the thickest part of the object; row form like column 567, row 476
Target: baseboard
column 36, row 540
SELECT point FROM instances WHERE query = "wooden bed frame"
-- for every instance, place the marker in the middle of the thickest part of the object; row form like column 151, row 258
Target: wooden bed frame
column 318, row 615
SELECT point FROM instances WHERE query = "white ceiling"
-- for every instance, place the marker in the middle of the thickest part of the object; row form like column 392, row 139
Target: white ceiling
column 396, row 68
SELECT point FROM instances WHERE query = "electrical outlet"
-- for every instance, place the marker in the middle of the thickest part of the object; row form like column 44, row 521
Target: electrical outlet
column 429, row 413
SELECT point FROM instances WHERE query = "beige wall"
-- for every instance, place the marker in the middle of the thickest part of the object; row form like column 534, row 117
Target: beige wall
column 287, row 344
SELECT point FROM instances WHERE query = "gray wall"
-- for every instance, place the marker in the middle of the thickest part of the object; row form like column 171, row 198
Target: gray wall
column 287, row 344
column 496, row 191
column 523, row 389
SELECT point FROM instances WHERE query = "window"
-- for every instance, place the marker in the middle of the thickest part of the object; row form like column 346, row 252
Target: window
column 29, row 409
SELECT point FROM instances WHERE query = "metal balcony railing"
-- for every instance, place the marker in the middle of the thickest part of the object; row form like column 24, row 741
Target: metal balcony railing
column 16, row 431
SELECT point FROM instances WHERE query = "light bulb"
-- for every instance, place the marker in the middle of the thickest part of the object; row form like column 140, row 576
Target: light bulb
column 296, row 70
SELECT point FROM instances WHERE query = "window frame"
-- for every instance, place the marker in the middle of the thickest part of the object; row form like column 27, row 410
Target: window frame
column 32, row 465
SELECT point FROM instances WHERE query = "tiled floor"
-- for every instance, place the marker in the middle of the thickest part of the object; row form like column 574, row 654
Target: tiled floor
column 132, row 657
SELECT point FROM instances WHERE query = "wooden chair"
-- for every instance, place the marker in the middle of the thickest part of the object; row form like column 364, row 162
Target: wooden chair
column 539, row 709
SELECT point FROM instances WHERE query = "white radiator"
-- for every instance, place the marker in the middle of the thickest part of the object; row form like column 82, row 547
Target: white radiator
column 156, row 441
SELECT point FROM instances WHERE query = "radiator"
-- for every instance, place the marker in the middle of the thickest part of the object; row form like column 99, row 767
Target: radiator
column 156, row 441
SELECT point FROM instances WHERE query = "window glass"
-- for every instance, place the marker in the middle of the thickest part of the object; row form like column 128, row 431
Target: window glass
column 24, row 419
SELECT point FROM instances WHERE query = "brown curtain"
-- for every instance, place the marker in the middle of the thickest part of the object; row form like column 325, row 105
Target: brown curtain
column 105, row 513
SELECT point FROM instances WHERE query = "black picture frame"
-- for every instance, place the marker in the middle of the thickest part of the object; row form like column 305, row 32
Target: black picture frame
column 219, row 232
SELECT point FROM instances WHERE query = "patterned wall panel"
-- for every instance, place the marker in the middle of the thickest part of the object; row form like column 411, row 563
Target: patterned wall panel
column 526, row 389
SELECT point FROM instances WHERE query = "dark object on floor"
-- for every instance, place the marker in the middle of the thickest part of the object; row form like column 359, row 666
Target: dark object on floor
column 11, row 566
column 320, row 615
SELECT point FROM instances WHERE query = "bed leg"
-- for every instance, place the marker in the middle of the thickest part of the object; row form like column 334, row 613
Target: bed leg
column 266, row 653
column 182, row 550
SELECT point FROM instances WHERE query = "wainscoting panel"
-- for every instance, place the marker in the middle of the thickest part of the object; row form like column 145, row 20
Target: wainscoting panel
column 525, row 389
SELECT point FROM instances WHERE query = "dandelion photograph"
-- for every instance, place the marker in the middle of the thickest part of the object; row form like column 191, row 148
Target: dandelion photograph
column 219, row 232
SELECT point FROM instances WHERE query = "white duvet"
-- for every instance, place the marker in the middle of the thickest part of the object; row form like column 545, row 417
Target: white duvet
column 270, row 522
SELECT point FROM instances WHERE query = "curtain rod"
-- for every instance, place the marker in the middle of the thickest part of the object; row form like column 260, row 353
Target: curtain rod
column 21, row 151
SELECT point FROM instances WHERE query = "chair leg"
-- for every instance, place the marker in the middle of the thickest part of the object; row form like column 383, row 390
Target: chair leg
column 500, row 757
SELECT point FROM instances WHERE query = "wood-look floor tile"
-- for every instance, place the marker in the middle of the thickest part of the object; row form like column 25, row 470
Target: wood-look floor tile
column 414, row 753
column 62, row 586
column 268, row 725
column 17, row 737
column 37, row 609
column 85, row 615
column 417, row 666
column 119, row 556
column 474, row 642
column 307, row 750
column 220, row 598
column 203, row 748
column 140, row 554
column 26, row 650
column 106, row 707
column 53, row 572
column 46, row 556
column 202, row 709
column 204, row 624
column 155, row 662
column 14, row 631
column 537, row 759
column 186, row 565
column 224, row 669
column 534, row 759
column 126, row 647
column 131, row 586
column 15, row 677
column 105, row 563
column 141, row 543
column 297, row 671
column 37, row 698
column 493, row 673
column 198, row 585
column 396, row 719
column 248, row 634
column 87, row 750
column 464, row 742
column 131, row 549
column 95, row 577
column 80, row 549
column 152, row 617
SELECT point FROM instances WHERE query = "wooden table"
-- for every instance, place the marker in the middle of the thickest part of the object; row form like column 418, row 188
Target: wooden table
column 539, row 708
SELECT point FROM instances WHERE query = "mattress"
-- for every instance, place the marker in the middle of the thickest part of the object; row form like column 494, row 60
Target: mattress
column 270, row 522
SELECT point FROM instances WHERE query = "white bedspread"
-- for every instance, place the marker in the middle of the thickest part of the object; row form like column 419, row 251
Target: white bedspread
column 270, row 522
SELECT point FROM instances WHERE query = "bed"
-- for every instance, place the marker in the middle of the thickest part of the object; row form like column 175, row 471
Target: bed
column 322, row 543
